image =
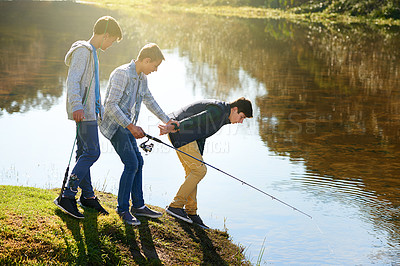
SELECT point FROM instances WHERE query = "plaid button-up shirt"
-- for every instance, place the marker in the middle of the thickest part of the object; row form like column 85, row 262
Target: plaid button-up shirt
column 125, row 92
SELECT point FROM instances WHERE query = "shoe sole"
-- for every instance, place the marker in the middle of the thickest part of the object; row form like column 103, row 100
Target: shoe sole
column 202, row 226
column 132, row 223
column 67, row 212
column 179, row 217
column 147, row 215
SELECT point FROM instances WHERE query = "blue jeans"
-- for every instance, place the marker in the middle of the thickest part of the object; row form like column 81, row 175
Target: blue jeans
column 130, row 184
column 87, row 153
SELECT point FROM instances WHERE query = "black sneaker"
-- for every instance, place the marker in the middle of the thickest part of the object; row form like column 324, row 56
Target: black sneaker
column 68, row 205
column 146, row 212
column 92, row 203
column 178, row 213
column 197, row 220
column 128, row 218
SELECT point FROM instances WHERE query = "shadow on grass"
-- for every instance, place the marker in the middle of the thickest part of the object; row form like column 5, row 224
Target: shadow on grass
column 146, row 240
column 199, row 235
column 149, row 255
column 74, row 226
column 91, row 250
column 97, row 249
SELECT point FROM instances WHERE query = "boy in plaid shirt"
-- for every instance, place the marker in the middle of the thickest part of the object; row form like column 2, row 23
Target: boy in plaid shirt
column 126, row 90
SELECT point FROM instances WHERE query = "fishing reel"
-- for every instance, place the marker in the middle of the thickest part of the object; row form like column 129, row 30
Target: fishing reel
column 147, row 147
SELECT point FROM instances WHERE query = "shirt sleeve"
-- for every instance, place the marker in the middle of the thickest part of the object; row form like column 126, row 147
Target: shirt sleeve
column 77, row 67
column 153, row 106
column 202, row 121
column 118, row 84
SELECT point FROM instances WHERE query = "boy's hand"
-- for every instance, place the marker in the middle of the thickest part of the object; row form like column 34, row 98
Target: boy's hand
column 78, row 115
column 136, row 131
column 171, row 126
column 164, row 129
column 175, row 124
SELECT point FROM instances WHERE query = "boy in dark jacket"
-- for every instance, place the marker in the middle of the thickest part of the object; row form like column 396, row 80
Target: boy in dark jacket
column 197, row 122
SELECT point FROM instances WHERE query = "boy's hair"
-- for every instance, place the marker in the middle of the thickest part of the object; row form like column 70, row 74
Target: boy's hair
column 152, row 51
column 108, row 25
column 243, row 106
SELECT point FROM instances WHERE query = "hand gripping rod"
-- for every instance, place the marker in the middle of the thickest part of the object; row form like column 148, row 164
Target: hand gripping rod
column 241, row 181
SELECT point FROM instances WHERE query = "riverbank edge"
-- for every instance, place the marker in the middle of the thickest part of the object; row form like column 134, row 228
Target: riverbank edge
column 146, row 6
column 34, row 231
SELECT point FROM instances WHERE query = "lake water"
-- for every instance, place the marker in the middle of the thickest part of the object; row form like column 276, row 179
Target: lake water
column 324, row 137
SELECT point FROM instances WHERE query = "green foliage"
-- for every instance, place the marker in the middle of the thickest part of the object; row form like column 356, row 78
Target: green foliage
column 391, row 10
column 312, row 6
column 371, row 8
column 283, row 4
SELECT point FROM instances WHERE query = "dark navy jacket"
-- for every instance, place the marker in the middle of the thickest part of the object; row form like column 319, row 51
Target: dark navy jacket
column 199, row 121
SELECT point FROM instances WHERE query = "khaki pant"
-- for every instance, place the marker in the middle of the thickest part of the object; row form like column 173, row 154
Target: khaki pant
column 195, row 171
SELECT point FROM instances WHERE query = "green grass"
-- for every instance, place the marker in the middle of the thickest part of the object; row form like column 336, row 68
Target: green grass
column 154, row 7
column 34, row 231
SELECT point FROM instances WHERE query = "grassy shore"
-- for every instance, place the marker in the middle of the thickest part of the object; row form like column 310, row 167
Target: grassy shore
column 34, row 231
column 237, row 11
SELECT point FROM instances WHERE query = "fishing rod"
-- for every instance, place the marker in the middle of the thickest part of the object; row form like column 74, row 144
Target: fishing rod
column 148, row 148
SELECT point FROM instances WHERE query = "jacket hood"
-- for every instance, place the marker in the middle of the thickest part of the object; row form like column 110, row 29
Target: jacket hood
column 74, row 46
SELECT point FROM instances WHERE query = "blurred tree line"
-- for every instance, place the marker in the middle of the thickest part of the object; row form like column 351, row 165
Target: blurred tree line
column 372, row 8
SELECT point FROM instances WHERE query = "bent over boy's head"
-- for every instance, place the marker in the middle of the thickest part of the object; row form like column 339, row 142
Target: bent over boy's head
column 244, row 106
column 108, row 25
column 152, row 51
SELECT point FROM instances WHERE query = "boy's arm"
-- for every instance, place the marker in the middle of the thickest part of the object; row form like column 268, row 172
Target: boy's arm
column 118, row 83
column 153, row 106
column 198, row 122
column 76, row 70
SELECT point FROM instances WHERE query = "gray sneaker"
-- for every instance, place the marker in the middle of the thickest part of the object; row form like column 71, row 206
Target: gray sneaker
column 197, row 220
column 178, row 213
column 145, row 212
column 128, row 218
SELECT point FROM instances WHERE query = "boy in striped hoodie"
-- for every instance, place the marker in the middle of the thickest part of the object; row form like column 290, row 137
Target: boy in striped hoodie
column 84, row 107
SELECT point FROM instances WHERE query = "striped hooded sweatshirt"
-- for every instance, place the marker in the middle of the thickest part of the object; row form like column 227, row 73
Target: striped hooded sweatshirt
column 81, row 76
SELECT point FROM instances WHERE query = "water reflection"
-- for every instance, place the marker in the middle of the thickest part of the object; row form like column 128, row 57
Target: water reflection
column 332, row 97
column 336, row 109
column 33, row 45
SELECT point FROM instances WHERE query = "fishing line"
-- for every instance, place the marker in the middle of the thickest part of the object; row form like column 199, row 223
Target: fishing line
column 323, row 236
column 237, row 179
column 77, row 128
column 148, row 148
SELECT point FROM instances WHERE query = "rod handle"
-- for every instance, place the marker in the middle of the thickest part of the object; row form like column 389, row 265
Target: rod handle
column 153, row 138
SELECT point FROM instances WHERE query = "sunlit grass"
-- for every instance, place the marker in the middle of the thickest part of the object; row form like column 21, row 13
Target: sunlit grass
column 148, row 6
column 261, row 254
column 33, row 231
